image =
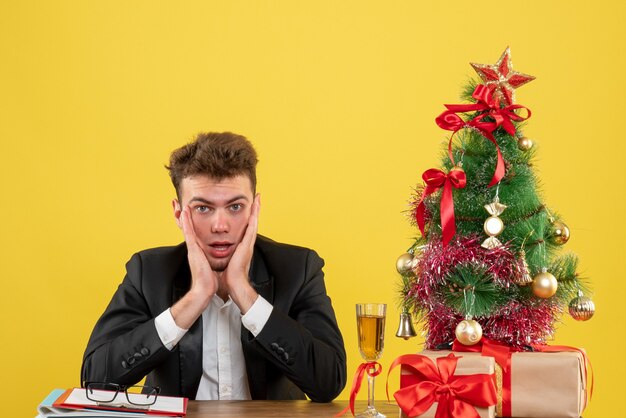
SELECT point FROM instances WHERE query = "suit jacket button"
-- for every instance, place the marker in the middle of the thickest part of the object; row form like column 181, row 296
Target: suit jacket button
column 131, row 360
column 274, row 346
column 280, row 351
column 286, row 357
column 124, row 364
column 137, row 356
column 144, row 351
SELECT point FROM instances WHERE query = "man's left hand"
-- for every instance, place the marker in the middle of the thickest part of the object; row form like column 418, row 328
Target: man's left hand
column 235, row 277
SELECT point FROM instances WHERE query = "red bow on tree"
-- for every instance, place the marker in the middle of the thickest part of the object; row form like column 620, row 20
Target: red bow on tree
column 490, row 107
column 456, row 396
column 435, row 179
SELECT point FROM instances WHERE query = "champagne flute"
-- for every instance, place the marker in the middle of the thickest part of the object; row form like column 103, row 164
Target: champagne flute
column 370, row 319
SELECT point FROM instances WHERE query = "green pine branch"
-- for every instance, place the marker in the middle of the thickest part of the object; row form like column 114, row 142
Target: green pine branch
column 470, row 290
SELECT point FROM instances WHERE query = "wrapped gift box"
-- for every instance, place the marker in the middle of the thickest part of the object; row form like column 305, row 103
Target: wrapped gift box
column 468, row 364
column 543, row 384
column 548, row 384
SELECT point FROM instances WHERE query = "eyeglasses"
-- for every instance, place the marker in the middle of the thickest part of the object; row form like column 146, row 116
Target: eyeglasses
column 139, row 397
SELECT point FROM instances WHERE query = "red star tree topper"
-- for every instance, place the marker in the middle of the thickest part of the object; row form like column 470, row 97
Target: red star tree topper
column 502, row 78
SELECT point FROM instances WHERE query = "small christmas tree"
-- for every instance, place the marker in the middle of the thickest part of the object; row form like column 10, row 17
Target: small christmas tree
column 487, row 261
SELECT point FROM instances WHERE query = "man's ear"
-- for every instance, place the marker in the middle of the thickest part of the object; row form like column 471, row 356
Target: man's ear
column 178, row 210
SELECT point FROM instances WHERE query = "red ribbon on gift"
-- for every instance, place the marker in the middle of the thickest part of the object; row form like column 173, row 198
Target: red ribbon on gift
column 490, row 107
column 456, row 396
column 434, row 180
column 372, row 368
column 502, row 354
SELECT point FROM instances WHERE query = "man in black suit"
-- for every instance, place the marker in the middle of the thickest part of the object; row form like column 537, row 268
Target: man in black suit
column 228, row 314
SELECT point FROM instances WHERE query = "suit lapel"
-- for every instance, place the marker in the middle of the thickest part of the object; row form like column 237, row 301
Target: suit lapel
column 190, row 352
column 263, row 283
column 260, row 278
column 190, row 346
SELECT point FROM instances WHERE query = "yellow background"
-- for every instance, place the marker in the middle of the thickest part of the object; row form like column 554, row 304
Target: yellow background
column 339, row 98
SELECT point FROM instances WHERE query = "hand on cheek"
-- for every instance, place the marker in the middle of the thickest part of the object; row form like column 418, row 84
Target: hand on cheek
column 236, row 274
column 203, row 278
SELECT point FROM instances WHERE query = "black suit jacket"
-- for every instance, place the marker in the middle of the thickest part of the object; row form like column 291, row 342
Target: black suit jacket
column 300, row 349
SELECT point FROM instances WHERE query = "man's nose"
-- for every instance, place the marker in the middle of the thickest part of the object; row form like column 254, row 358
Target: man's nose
column 219, row 223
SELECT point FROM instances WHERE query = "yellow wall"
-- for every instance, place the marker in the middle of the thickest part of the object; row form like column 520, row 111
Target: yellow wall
column 340, row 99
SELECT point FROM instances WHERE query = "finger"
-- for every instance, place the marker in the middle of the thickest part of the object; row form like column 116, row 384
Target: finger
column 198, row 263
column 253, row 223
column 257, row 200
column 254, row 214
column 188, row 230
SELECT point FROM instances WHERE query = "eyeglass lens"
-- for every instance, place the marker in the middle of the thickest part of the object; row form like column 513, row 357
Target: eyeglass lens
column 141, row 395
column 102, row 392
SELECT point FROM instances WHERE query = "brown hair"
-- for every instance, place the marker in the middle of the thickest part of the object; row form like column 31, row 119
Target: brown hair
column 214, row 154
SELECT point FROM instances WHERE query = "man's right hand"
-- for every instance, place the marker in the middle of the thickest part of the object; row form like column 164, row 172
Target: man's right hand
column 204, row 281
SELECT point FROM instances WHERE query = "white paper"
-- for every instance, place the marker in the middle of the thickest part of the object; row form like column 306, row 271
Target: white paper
column 167, row 404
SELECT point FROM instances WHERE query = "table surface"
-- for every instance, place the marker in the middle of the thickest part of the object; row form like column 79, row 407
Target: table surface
column 213, row 409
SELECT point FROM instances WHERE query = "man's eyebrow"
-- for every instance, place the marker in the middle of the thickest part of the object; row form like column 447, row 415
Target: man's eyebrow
column 228, row 202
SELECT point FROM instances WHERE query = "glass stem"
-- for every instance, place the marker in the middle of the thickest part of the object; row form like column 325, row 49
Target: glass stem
column 370, row 391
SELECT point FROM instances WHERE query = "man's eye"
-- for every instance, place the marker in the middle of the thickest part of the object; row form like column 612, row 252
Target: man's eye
column 236, row 207
column 202, row 209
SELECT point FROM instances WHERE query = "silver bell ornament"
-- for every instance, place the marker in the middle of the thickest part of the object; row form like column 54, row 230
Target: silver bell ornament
column 405, row 327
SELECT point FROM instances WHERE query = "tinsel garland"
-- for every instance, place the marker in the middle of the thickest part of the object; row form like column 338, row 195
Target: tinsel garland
column 519, row 320
column 517, row 324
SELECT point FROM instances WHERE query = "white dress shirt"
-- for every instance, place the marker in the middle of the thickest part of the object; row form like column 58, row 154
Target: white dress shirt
column 223, row 365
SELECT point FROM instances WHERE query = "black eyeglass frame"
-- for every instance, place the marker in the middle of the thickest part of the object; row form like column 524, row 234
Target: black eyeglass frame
column 151, row 391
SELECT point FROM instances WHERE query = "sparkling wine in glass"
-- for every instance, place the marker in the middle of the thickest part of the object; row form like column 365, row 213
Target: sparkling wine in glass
column 370, row 319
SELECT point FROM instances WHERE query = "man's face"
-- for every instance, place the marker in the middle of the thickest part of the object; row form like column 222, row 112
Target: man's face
column 219, row 212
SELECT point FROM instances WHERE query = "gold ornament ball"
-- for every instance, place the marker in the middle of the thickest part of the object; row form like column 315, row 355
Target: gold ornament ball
column 544, row 285
column 468, row 332
column 524, row 143
column 404, row 264
column 581, row 308
column 559, row 233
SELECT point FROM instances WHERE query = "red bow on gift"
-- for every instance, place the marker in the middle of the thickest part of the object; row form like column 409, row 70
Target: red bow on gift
column 456, row 396
column 490, row 107
column 435, row 179
column 502, row 354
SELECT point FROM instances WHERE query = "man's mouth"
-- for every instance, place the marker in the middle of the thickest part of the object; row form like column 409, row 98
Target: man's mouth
column 220, row 249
